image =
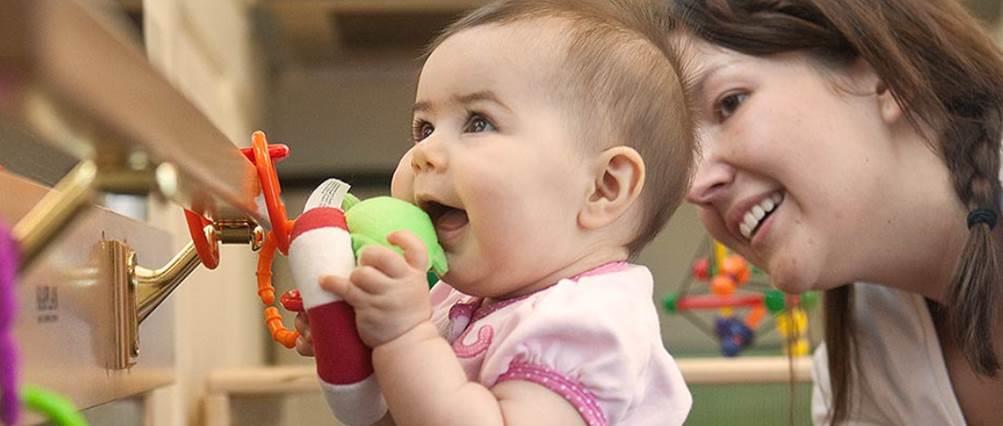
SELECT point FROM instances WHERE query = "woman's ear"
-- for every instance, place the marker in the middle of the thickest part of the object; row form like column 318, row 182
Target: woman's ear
column 891, row 110
column 868, row 81
column 617, row 183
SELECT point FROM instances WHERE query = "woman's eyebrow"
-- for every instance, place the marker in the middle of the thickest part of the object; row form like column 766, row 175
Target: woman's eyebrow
column 705, row 74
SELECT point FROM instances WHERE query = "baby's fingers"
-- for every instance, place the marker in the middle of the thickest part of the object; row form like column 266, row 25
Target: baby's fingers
column 304, row 343
column 415, row 252
column 303, row 346
column 342, row 287
column 370, row 280
column 384, row 260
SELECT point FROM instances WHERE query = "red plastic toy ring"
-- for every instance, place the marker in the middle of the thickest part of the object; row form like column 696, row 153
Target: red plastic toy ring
column 271, row 191
column 273, row 320
column 208, row 252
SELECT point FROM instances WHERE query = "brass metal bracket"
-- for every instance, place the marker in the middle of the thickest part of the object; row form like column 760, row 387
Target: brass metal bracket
column 50, row 217
column 55, row 211
column 117, row 266
column 138, row 291
column 154, row 285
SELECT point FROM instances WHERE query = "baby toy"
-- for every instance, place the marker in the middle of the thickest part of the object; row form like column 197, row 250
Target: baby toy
column 726, row 274
column 320, row 245
column 325, row 240
column 370, row 221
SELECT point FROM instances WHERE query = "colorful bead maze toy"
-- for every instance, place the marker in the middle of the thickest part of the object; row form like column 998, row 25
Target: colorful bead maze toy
column 741, row 297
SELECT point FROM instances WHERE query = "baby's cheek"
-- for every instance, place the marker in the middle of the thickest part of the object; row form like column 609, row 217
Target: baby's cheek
column 402, row 183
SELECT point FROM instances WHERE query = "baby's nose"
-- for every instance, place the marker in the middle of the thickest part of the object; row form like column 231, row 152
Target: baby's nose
column 428, row 156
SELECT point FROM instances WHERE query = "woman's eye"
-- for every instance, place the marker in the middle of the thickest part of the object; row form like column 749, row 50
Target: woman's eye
column 729, row 104
column 421, row 130
column 477, row 124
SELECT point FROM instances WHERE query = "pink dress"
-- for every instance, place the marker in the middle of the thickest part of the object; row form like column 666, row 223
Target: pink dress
column 593, row 339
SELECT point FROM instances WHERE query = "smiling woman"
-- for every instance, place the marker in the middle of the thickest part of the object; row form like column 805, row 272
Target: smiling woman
column 871, row 130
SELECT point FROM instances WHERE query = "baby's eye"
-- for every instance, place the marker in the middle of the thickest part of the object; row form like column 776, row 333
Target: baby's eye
column 420, row 130
column 477, row 124
column 728, row 104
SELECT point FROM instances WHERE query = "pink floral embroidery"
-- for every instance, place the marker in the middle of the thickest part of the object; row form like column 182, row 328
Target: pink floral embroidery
column 569, row 389
column 459, row 319
column 484, row 311
column 463, row 309
column 484, row 335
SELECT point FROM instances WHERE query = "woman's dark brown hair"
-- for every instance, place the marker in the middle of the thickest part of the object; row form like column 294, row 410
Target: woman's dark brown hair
column 947, row 73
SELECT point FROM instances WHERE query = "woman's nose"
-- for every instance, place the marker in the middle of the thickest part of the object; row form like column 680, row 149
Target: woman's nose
column 428, row 155
column 712, row 178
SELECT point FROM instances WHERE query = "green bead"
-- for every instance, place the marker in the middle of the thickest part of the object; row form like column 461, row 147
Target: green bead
column 809, row 299
column 774, row 301
column 671, row 303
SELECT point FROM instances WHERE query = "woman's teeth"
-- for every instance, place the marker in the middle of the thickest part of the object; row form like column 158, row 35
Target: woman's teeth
column 755, row 215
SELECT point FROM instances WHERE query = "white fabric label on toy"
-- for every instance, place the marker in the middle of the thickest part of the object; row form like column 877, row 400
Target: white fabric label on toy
column 329, row 194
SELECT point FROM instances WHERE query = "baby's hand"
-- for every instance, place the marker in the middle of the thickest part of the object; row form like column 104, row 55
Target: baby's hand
column 304, row 344
column 389, row 293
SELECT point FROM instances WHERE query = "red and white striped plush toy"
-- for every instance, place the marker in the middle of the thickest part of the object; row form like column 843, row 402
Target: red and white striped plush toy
column 321, row 245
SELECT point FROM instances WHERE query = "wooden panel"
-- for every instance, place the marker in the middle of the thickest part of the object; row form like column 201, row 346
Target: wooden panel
column 64, row 328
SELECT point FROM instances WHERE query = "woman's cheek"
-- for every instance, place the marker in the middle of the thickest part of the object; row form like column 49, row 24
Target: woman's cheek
column 714, row 224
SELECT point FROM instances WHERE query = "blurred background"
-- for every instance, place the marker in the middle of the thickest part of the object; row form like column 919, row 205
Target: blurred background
column 334, row 80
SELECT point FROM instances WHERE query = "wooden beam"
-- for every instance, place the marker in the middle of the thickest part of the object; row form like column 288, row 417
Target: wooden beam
column 78, row 81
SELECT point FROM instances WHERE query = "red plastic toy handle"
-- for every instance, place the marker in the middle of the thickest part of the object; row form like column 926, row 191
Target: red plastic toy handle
column 208, row 252
column 273, row 320
column 276, row 151
column 271, row 190
column 292, row 301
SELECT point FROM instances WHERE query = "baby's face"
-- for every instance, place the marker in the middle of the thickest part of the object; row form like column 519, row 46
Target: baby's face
column 493, row 163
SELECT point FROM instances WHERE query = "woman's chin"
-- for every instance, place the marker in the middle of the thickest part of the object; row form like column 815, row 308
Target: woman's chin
column 792, row 277
column 790, row 287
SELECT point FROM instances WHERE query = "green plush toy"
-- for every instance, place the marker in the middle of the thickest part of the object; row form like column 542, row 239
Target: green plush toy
column 370, row 221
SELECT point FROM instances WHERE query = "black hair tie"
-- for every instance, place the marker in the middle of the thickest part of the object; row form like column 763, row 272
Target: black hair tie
column 986, row 216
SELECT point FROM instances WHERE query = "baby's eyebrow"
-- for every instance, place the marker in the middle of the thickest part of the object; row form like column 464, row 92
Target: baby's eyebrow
column 421, row 107
column 481, row 96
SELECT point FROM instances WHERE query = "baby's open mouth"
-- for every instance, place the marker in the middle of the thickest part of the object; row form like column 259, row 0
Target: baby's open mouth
column 446, row 219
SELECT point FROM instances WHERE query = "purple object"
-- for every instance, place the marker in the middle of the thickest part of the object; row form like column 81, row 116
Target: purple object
column 734, row 335
column 9, row 403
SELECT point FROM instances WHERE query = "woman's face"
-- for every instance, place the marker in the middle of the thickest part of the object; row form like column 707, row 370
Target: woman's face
column 797, row 164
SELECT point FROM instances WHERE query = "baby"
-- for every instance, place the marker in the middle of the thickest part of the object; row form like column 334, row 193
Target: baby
column 551, row 144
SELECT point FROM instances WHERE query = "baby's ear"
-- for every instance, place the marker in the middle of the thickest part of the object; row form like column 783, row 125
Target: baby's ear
column 617, row 182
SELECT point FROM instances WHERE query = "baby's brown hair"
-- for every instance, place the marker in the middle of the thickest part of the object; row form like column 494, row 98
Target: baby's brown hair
column 620, row 78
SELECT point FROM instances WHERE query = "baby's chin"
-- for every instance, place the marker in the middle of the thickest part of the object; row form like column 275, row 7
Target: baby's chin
column 458, row 281
column 470, row 285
